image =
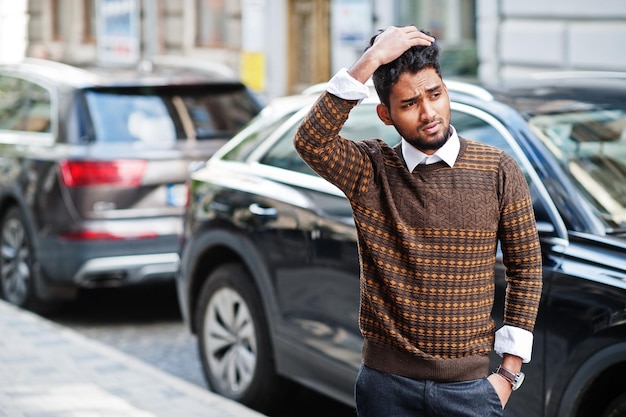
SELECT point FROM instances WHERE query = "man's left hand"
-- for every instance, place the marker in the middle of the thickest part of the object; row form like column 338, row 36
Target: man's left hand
column 502, row 386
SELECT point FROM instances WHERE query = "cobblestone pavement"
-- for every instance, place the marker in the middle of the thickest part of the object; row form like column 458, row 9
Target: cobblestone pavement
column 145, row 323
column 47, row 370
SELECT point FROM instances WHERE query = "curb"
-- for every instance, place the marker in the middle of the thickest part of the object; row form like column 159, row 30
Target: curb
column 50, row 370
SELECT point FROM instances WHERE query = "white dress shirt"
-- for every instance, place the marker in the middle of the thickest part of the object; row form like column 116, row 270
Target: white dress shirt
column 509, row 339
column 447, row 153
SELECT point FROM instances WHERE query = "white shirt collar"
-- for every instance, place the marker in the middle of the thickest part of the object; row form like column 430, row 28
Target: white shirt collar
column 447, row 153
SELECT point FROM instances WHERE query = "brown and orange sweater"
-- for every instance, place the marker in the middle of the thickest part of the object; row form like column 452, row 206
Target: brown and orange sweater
column 427, row 246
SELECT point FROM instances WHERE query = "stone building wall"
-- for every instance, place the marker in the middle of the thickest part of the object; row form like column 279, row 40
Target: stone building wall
column 517, row 38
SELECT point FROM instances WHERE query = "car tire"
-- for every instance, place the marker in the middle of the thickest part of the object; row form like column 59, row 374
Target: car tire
column 17, row 284
column 234, row 340
column 617, row 408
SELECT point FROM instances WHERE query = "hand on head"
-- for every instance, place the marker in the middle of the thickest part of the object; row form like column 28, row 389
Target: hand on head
column 394, row 41
column 388, row 45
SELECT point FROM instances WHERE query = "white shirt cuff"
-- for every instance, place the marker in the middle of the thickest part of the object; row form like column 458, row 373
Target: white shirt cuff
column 344, row 86
column 514, row 341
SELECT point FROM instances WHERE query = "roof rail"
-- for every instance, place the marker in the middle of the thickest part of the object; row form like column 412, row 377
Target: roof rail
column 552, row 75
column 48, row 63
column 60, row 69
column 314, row 89
column 198, row 64
column 453, row 85
column 469, row 89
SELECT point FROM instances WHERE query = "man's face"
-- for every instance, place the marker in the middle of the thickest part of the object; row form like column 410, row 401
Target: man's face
column 419, row 109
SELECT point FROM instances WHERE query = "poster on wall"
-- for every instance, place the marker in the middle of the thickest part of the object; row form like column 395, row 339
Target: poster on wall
column 351, row 29
column 118, row 27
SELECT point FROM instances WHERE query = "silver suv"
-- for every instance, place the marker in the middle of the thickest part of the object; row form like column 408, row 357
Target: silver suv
column 93, row 164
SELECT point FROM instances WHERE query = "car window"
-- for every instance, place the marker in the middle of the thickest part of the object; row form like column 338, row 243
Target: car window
column 363, row 123
column 591, row 148
column 24, row 106
column 260, row 130
column 164, row 115
column 130, row 118
column 218, row 113
column 476, row 128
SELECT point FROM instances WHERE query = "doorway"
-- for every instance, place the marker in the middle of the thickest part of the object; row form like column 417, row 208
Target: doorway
column 309, row 43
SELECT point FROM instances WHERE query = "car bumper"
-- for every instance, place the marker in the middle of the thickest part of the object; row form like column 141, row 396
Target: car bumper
column 118, row 270
column 92, row 264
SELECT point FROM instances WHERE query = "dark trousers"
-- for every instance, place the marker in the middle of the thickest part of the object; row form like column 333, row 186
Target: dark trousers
column 379, row 394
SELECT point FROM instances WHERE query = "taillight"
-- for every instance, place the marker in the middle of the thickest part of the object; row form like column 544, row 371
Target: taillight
column 123, row 172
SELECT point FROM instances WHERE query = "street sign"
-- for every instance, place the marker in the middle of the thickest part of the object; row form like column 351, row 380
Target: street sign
column 118, row 32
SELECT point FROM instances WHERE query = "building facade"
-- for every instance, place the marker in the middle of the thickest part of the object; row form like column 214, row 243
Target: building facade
column 13, row 25
column 520, row 38
column 282, row 46
column 276, row 46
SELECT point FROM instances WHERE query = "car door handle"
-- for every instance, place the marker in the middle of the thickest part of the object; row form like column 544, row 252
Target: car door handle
column 219, row 207
column 262, row 211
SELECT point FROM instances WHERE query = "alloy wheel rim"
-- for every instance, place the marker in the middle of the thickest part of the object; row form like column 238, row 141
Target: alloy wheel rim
column 15, row 270
column 231, row 345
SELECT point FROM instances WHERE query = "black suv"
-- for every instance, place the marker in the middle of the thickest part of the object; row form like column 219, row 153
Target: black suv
column 269, row 276
column 93, row 167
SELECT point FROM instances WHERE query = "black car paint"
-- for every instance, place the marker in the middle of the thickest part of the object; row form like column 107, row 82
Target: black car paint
column 304, row 263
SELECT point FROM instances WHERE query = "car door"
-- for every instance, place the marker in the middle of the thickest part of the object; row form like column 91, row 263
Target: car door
column 319, row 295
column 28, row 124
column 473, row 123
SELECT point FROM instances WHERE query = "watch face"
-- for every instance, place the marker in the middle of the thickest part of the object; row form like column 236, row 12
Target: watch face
column 519, row 378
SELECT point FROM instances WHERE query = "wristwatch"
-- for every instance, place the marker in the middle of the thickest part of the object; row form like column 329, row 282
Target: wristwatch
column 515, row 379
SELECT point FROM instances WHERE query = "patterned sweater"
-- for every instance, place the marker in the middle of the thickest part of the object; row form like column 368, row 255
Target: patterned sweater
column 427, row 246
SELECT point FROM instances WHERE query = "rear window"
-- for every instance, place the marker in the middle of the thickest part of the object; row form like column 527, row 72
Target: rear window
column 164, row 115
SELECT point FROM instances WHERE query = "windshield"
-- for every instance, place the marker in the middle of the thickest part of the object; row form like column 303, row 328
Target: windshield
column 159, row 115
column 591, row 147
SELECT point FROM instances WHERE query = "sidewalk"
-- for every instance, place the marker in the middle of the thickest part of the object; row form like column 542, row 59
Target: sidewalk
column 47, row 370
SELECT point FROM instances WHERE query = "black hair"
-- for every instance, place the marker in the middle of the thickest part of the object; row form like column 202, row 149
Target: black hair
column 413, row 60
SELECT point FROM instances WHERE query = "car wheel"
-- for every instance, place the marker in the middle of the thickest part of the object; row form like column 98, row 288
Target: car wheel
column 617, row 408
column 16, row 261
column 234, row 340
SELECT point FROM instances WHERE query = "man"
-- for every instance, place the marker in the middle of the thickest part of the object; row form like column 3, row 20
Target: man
column 429, row 213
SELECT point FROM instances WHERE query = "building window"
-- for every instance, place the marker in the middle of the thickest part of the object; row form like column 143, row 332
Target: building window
column 452, row 22
column 211, row 27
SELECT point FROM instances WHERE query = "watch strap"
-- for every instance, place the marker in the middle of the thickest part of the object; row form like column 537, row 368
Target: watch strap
column 506, row 374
